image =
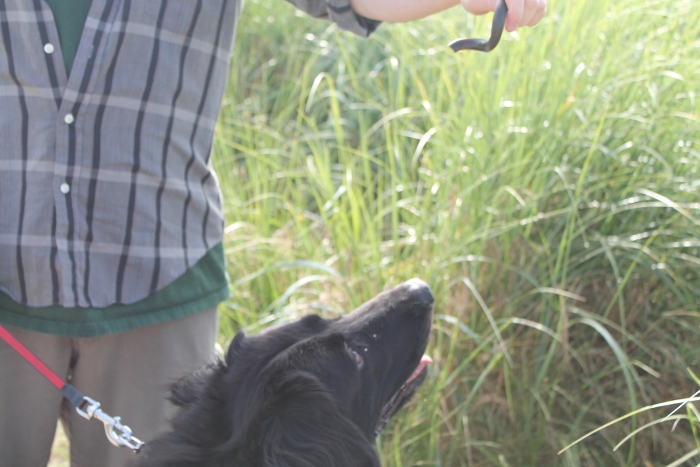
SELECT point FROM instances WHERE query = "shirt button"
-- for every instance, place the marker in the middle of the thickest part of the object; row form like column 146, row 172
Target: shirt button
column 49, row 48
column 69, row 118
column 65, row 188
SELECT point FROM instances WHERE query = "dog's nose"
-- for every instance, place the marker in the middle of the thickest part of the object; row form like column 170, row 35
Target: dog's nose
column 420, row 291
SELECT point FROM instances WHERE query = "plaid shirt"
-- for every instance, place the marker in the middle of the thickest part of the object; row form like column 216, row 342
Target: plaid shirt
column 106, row 188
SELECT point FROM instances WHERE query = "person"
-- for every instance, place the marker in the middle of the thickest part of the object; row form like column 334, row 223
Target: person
column 111, row 227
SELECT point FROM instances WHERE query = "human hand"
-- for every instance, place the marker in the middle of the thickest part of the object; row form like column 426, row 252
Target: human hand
column 520, row 12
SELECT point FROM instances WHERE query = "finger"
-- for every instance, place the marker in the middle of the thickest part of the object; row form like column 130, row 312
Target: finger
column 529, row 12
column 540, row 13
column 479, row 7
column 515, row 14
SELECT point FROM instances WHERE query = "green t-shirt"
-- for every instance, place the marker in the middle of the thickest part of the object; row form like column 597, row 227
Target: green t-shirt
column 69, row 17
column 202, row 287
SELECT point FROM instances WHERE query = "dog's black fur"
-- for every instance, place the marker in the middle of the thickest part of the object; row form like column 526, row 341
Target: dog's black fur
column 312, row 393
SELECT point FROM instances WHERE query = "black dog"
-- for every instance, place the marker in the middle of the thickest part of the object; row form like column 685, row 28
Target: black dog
column 313, row 393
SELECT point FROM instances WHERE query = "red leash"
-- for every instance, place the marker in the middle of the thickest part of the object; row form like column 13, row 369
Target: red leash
column 118, row 434
column 45, row 371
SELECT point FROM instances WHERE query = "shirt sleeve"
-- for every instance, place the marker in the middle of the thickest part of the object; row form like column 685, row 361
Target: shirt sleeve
column 340, row 12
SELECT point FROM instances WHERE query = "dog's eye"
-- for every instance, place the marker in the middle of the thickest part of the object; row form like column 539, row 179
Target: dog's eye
column 358, row 359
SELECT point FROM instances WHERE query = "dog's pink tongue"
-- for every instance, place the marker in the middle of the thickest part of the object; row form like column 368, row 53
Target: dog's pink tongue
column 424, row 361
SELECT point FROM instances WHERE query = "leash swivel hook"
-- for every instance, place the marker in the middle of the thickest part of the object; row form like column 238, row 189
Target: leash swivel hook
column 118, row 434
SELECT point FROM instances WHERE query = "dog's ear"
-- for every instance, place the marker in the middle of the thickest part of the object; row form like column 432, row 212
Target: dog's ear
column 235, row 348
column 305, row 428
column 189, row 388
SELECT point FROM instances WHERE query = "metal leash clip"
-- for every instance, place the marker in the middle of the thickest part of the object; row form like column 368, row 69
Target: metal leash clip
column 118, row 434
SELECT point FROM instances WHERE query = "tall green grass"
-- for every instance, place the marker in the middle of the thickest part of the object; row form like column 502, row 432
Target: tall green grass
column 547, row 191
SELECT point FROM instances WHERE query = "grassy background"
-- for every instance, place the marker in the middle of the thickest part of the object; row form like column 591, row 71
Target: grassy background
column 547, row 191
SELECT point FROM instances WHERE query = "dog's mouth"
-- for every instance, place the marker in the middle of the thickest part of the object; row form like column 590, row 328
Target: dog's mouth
column 404, row 393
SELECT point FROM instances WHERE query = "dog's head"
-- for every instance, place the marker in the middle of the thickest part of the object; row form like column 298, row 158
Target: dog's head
column 310, row 393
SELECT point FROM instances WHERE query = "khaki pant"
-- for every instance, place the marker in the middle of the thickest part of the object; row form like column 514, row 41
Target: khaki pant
column 128, row 373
